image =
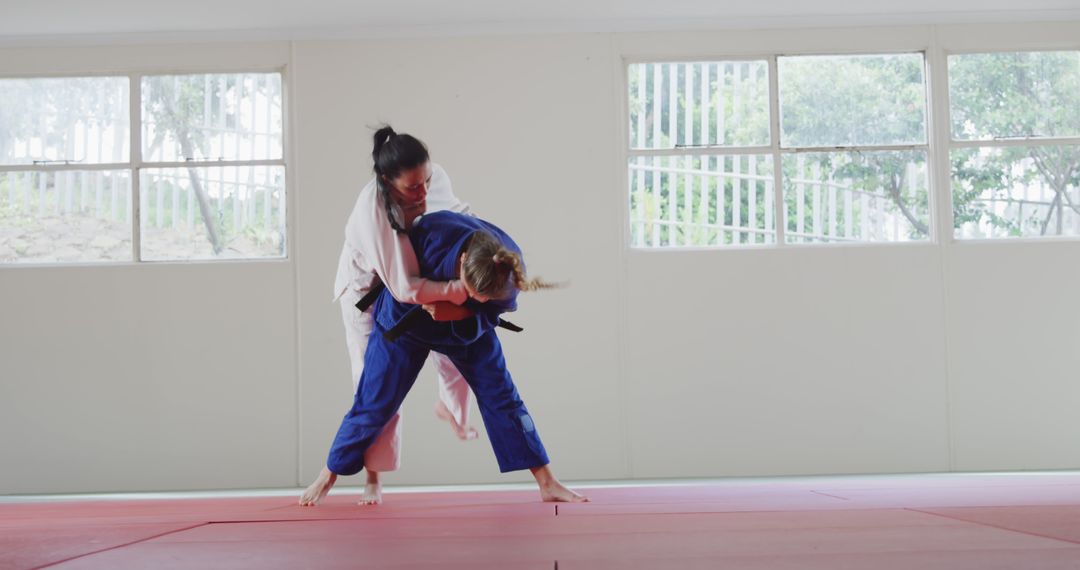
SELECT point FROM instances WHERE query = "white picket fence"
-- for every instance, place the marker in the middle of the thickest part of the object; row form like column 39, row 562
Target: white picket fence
column 102, row 194
column 1032, row 208
column 248, row 195
column 733, row 202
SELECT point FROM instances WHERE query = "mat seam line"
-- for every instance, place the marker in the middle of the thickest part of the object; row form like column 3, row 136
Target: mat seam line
column 828, row 495
column 118, row 546
column 1029, row 533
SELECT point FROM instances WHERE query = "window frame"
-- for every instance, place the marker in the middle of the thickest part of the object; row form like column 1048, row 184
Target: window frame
column 777, row 151
column 700, row 150
column 950, row 143
column 135, row 164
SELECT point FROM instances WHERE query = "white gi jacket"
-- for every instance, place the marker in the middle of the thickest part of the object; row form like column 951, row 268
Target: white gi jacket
column 372, row 248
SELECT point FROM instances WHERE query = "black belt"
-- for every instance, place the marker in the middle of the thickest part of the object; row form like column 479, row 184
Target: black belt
column 414, row 317
column 368, row 299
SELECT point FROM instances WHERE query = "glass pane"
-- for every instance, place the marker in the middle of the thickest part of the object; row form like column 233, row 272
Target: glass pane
column 852, row 100
column 221, row 212
column 75, row 119
column 1003, row 95
column 701, row 200
column 856, row 197
column 723, row 103
column 212, row 117
column 1031, row 191
column 69, row 216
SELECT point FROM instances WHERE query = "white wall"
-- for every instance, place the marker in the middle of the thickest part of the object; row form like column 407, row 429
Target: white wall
column 925, row 357
column 154, row 376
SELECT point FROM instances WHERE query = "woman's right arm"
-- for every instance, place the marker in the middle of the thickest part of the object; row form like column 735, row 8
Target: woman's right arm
column 393, row 259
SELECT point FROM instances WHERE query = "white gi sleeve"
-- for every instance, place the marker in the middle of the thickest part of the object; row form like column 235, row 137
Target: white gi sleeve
column 391, row 256
column 440, row 194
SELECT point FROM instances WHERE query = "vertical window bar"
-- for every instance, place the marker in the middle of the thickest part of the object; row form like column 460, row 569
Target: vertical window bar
column 705, row 181
column 657, row 114
column 751, row 198
column 639, row 188
column 136, row 157
column 774, row 140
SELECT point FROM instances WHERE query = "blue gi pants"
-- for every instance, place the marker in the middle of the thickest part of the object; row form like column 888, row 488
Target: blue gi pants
column 391, row 368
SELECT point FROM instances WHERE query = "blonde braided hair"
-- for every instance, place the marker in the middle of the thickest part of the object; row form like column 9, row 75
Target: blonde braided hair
column 493, row 270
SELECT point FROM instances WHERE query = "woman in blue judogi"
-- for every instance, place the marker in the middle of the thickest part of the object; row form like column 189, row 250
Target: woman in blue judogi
column 448, row 246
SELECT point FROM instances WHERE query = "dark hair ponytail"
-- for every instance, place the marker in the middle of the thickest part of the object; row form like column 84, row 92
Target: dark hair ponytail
column 394, row 154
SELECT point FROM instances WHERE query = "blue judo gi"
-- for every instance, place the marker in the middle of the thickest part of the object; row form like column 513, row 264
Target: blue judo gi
column 391, row 367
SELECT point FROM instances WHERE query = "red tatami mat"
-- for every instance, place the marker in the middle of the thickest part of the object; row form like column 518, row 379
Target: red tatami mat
column 810, row 523
column 37, row 544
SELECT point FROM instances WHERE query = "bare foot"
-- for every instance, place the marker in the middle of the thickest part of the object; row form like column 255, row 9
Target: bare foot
column 465, row 433
column 372, row 495
column 318, row 490
column 372, row 490
column 551, row 490
column 555, row 492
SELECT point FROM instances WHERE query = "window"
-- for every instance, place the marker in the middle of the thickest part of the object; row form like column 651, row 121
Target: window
column 65, row 192
column 1015, row 144
column 201, row 176
column 700, row 167
column 854, row 145
column 848, row 163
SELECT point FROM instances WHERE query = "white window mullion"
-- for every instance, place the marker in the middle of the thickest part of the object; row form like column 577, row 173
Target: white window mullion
column 1012, row 141
column 204, row 163
column 861, row 148
column 721, row 90
column 673, row 139
column 751, row 198
column 704, row 181
column 774, row 140
column 639, row 187
column 673, row 104
column 171, row 164
column 135, row 156
column 56, row 167
column 706, row 102
column 656, row 136
column 938, row 162
column 701, row 150
column 800, row 196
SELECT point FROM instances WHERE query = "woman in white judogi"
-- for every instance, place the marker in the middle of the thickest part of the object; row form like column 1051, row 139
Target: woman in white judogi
column 376, row 251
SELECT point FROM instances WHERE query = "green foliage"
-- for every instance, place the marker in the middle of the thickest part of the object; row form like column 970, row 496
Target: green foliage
column 176, row 106
column 881, row 100
column 852, row 100
column 1007, row 95
column 1015, row 94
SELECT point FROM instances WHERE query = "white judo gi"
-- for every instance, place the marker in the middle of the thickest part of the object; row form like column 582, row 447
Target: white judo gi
column 374, row 251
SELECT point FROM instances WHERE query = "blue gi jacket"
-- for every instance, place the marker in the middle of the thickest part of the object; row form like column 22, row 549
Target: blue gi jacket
column 438, row 239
